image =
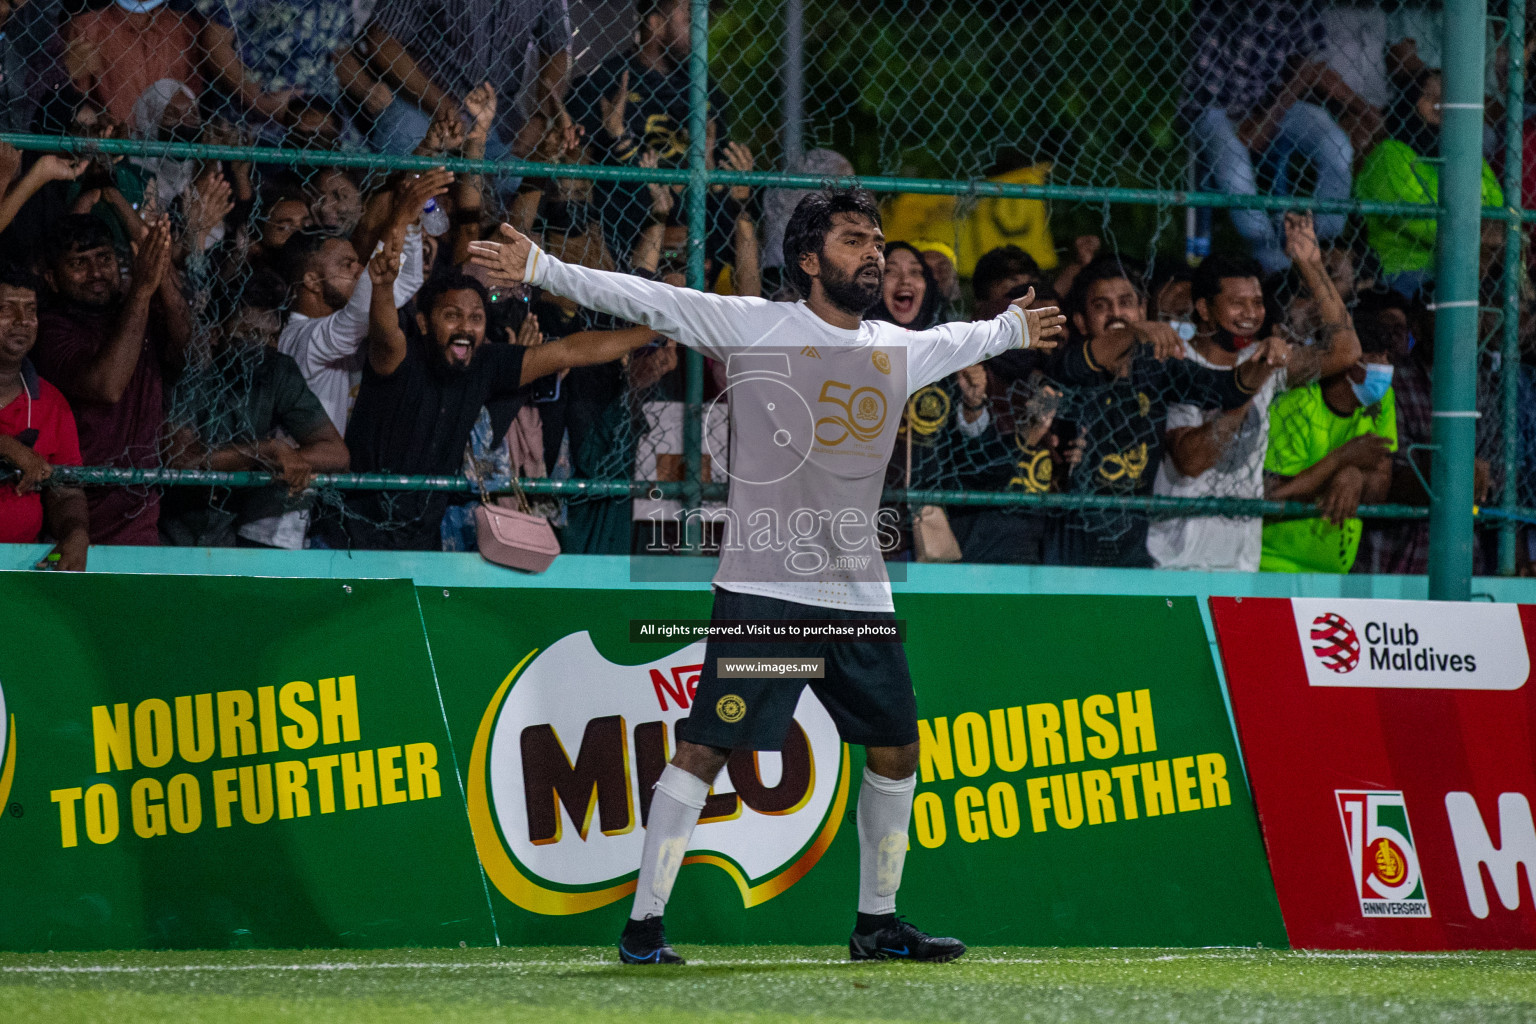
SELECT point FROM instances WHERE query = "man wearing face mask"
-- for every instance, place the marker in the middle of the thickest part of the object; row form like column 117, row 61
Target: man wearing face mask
column 1330, row 441
column 636, row 103
column 1215, row 454
column 421, row 396
column 1401, row 546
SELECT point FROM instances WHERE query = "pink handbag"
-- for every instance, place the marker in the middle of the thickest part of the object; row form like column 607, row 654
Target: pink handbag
column 516, row 538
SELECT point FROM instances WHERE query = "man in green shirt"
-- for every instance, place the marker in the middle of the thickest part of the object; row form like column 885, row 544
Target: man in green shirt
column 1330, row 442
column 1404, row 169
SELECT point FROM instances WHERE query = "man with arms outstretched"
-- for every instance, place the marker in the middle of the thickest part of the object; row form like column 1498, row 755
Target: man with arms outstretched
column 815, row 394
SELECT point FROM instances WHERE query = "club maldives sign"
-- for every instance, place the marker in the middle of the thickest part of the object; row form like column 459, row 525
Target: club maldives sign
column 563, row 763
column 1411, row 644
column 1391, row 746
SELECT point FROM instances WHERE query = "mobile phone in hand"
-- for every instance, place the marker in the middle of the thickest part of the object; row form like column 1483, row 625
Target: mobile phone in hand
column 547, row 388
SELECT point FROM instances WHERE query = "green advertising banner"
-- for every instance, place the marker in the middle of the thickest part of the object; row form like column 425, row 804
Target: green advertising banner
column 214, row 762
column 1079, row 784
column 220, row 761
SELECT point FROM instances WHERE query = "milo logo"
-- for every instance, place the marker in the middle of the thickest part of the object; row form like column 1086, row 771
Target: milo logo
column 569, row 748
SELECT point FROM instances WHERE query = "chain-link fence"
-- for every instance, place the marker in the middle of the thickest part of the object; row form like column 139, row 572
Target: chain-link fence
column 1206, row 187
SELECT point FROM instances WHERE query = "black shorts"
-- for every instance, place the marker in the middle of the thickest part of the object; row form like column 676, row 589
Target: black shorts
column 866, row 687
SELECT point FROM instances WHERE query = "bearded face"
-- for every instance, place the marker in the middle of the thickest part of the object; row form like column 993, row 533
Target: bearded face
column 456, row 326
column 335, row 272
column 851, row 264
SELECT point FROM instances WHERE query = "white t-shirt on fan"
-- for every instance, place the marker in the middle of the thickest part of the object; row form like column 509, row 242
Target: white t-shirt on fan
column 1216, row 542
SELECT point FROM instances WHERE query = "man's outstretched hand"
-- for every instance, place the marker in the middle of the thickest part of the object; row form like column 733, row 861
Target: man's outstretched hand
column 1046, row 324
column 507, row 260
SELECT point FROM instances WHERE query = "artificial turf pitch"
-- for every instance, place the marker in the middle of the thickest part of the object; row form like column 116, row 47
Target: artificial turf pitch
column 767, row 984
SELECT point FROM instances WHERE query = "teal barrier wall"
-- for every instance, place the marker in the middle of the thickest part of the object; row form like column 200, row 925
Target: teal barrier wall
column 587, row 572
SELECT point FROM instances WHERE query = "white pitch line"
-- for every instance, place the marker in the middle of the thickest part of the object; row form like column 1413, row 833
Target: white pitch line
column 156, row 968
column 499, row 966
column 508, row 965
column 513, row 965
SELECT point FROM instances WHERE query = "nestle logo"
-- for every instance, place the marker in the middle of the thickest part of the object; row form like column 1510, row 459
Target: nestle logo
column 681, row 688
column 1335, row 643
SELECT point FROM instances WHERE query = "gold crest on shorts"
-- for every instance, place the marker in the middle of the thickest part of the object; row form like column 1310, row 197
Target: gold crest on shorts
column 731, row 708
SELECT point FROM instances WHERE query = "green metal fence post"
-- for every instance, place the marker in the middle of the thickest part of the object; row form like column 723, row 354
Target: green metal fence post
column 794, row 84
column 698, row 190
column 1456, row 253
column 1514, row 124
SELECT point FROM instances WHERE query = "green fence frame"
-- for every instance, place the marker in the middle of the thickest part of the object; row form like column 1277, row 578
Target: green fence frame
column 1514, row 152
column 1451, row 512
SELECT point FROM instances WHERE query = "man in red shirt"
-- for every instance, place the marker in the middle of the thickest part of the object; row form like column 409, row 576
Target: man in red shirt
column 109, row 345
column 117, row 51
column 37, row 432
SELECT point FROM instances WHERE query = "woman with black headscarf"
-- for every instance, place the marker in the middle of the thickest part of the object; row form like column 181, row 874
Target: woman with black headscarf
column 1403, row 169
column 910, row 298
column 910, row 295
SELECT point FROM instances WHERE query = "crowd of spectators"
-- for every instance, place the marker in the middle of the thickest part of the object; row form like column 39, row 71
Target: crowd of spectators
column 157, row 311
column 1346, row 96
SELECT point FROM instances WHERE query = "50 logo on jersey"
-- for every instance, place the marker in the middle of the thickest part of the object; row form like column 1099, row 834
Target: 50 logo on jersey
column 862, row 414
column 563, row 763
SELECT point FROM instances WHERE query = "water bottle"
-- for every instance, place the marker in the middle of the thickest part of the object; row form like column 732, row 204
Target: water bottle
column 1197, row 234
column 433, row 220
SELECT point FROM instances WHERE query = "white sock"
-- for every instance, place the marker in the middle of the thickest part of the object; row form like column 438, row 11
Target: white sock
column 885, row 810
column 675, row 805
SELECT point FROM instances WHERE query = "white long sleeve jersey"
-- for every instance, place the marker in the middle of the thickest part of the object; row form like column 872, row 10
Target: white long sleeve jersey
column 330, row 349
column 814, row 415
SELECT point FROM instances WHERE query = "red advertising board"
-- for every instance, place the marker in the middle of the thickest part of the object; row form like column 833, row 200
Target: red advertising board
column 1391, row 748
